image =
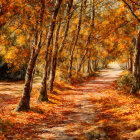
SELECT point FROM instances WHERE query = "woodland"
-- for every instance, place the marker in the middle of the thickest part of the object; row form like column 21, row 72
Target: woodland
column 70, row 69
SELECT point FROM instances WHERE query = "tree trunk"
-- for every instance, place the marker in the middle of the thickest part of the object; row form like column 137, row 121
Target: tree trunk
column 43, row 89
column 54, row 57
column 68, row 16
column 83, row 68
column 88, row 71
column 105, row 63
column 130, row 63
column 90, row 33
column 24, row 103
column 89, row 63
column 25, row 100
column 136, row 72
column 49, row 59
column 75, row 41
column 85, row 53
column 95, row 65
column 92, row 65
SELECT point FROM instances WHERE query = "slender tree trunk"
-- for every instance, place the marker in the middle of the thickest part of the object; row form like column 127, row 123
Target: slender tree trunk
column 25, row 100
column 53, row 73
column 75, row 41
column 43, row 89
column 95, row 65
column 89, row 63
column 136, row 73
column 68, row 16
column 83, row 68
column 85, row 53
column 130, row 63
column 88, row 66
column 54, row 57
column 92, row 65
column 105, row 63
column 90, row 33
column 56, row 51
column 24, row 103
column 128, row 66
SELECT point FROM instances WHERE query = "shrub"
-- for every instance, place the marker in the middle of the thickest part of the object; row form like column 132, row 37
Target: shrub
column 125, row 80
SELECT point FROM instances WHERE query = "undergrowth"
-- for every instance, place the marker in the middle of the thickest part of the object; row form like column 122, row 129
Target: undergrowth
column 125, row 81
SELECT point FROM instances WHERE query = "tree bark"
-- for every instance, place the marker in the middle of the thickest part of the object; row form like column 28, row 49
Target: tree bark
column 130, row 63
column 105, row 62
column 90, row 33
column 43, row 89
column 95, row 65
column 54, row 57
column 89, row 68
column 75, row 41
column 25, row 100
column 85, row 53
column 136, row 72
column 131, row 52
column 68, row 16
column 56, row 51
column 24, row 103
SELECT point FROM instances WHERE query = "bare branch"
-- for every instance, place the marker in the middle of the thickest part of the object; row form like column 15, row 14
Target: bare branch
column 131, row 10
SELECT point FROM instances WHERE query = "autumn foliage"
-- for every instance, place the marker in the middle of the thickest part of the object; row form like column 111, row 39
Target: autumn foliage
column 58, row 48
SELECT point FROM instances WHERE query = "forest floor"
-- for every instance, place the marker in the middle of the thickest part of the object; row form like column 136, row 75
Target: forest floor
column 93, row 108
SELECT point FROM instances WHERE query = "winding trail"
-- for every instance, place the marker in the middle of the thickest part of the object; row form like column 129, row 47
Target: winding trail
column 79, row 109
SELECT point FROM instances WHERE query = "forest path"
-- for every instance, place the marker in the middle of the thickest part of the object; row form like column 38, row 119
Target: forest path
column 80, row 109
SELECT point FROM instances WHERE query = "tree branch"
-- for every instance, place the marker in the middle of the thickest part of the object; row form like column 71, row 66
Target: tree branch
column 135, row 3
column 129, row 7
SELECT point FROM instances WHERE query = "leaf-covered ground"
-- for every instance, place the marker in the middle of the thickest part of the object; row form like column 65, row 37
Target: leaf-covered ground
column 72, row 111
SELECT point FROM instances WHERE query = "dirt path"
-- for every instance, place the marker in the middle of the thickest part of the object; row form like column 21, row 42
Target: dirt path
column 79, row 109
